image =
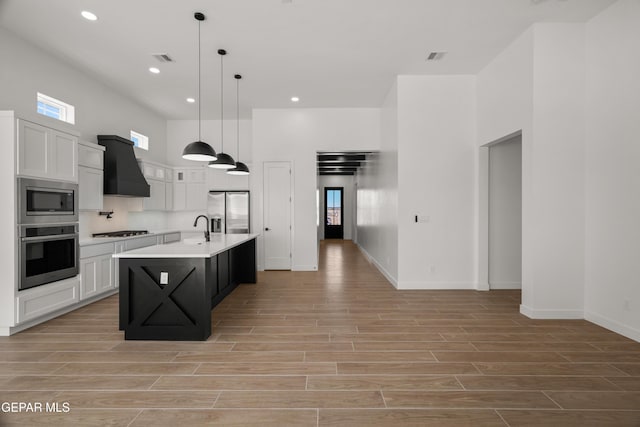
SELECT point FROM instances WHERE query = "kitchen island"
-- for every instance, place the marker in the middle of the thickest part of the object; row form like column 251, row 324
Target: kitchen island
column 167, row 292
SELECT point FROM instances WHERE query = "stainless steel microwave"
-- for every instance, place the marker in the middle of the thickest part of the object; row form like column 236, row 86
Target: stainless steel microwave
column 47, row 202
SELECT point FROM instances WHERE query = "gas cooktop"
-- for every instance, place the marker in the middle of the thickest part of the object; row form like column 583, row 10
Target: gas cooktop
column 123, row 233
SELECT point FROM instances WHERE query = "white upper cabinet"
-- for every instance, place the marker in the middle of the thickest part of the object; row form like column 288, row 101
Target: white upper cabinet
column 90, row 189
column 189, row 189
column 91, row 155
column 46, row 153
column 90, row 176
column 218, row 179
column 159, row 178
column 157, row 200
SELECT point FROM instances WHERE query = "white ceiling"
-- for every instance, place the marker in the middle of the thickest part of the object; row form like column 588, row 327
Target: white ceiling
column 330, row 53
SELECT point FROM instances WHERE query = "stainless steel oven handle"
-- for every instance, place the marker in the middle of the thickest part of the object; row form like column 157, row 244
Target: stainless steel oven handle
column 50, row 237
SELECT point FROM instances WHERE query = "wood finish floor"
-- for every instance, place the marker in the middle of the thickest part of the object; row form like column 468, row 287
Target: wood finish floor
column 338, row 347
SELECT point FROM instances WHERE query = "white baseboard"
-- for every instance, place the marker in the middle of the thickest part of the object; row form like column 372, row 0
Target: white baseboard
column 613, row 325
column 505, row 285
column 482, row 286
column 551, row 314
column 437, row 285
column 304, row 268
column 380, row 268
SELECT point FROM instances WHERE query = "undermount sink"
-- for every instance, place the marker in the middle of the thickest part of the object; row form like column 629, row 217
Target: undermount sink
column 194, row 241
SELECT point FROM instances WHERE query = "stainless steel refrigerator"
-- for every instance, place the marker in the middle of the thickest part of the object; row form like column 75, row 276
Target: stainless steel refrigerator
column 229, row 211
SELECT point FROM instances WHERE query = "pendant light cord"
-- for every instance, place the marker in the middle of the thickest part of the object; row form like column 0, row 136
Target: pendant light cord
column 238, row 116
column 199, row 97
column 222, row 102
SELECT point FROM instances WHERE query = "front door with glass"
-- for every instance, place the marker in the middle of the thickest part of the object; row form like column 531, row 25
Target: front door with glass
column 333, row 212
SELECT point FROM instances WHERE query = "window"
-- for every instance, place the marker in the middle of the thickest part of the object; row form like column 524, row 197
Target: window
column 54, row 108
column 334, row 207
column 140, row 140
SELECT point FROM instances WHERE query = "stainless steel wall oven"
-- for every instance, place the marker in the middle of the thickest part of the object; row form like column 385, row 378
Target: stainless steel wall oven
column 47, row 253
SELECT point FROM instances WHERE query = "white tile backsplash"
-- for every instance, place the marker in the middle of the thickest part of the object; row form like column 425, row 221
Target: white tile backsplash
column 126, row 214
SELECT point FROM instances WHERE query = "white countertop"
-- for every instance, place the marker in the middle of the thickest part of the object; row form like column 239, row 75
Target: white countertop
column 219, row 243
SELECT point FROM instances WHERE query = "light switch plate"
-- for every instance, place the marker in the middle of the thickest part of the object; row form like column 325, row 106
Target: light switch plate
column 164, row 278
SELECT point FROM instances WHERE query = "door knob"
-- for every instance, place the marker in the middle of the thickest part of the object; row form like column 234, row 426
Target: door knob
column 266, row 229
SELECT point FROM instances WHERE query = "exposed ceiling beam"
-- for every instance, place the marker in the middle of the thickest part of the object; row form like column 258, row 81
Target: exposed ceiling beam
column 321, row 169
column 336, row 173
column 341, row 158
column 339, row 164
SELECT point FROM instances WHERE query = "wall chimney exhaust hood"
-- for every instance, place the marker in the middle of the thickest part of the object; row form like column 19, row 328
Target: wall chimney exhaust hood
column 122, row 175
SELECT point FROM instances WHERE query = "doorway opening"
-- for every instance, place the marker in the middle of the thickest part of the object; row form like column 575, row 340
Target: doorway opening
column 334, row 213
column 501, row 213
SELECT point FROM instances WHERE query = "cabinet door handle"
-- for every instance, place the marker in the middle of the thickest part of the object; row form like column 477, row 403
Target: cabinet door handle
column 266, row 229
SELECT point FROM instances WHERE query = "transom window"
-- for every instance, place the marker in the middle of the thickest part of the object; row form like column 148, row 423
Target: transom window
column 140, row 140
column 56, row 109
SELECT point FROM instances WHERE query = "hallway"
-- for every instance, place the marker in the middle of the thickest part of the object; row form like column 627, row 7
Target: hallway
column 337, row 347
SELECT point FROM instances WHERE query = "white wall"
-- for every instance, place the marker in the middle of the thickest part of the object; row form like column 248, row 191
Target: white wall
column 613, row 169
column 505, row 107
column 377, row 195
column 505, row 214
column 557, row 172
column 436, row 179
column 348, row 183
column 296, row 135
column 100, row 110
column 537, row 85
column 8, row 221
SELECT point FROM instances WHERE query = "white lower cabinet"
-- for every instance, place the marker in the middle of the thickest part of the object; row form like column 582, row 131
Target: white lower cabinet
column 170, row 237
column 97, row 275
column 36, row 302
column 119, row 248
column 140, row 242
column 97, row 269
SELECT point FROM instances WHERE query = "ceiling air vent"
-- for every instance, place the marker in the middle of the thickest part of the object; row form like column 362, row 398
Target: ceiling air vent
column 434, row 56
column 162, row 57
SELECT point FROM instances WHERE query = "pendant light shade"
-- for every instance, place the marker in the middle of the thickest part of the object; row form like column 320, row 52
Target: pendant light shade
column 199, row 150
column 224, row 160
column 241, row 168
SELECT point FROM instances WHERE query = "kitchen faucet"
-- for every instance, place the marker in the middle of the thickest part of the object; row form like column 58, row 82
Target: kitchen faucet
column 206, row 220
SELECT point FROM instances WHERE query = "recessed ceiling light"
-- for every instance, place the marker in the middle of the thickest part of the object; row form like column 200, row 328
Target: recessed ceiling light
column 154, row 70
column 191, row 100
column 295, row 99
column 88, row 15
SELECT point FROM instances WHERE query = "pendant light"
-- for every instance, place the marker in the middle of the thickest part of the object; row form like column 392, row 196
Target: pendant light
column 241, row 168
column 199, row 150
column 224, row 160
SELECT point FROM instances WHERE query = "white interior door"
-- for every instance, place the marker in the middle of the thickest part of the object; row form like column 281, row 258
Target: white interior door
column 277, row 215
